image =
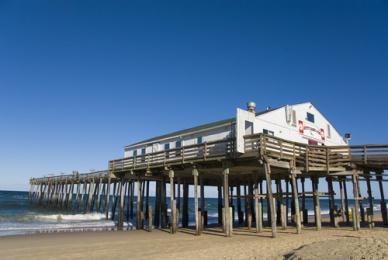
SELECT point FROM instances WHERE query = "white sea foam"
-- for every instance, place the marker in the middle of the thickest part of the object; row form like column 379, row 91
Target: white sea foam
column 72, row 217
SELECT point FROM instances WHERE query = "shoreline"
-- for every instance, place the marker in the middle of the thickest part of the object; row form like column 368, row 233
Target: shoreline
column 159, row 244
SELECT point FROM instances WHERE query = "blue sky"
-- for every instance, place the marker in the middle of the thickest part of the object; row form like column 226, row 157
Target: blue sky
column 81, row 79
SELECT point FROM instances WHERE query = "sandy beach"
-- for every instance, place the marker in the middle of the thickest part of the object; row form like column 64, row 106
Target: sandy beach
column 330, row 243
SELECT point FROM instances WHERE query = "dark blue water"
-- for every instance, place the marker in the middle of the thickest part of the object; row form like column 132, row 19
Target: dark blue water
column 19, row 216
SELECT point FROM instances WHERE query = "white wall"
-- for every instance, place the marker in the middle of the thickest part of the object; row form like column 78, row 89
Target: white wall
column 209, row 135
column 276, row 121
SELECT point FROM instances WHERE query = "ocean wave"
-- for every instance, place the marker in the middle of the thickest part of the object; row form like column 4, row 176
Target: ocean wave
column 72, row 217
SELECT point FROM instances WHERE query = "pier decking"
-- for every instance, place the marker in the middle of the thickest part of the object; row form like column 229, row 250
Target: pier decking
column 268, row 165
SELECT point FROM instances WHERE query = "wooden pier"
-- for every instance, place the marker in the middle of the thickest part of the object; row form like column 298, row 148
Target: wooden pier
column 271, row 169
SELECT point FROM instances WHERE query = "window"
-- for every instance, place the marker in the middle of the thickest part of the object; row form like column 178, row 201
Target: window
column 166, row 148
column 143, row 152
column 178, row 145
column 134, row 153
column 293, row 117
column 328, row 131
column 199, row 140
column 248, row 128
column 268, row 132
column 310, row 117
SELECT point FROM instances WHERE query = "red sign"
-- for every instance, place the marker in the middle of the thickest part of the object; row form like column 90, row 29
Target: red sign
column 323, row 134
column 301, row 127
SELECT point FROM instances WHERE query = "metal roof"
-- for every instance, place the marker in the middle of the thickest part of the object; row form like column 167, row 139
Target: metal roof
column 195, row 129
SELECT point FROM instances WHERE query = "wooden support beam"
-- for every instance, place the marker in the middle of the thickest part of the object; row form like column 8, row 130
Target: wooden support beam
column 138, row 206
column 346, row 202
column 279, row 202
column 76, row 206
column 71, row 191
column 113, row 201
column 195, row 175
column 317, row 206
column 383, row 205
column 107, row 198
column 227, row 223
column 128, row 195
column 370, row 200
column 203, row 203
column 342, row 197
column 267, row 169
column 147, row 186
column 219, row 204
column 296, row 203
column 163, row 203
column 157, row 205
column 356, row 222
column 258, row 209
column 331, row 200
column 239, row 212
column 304, row 210
column 90, row 195
column 172, row 202
column 116, row 199
column 185, row 215
column 120, row 222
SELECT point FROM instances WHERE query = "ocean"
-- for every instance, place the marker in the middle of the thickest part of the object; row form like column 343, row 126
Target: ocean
column 19, row 216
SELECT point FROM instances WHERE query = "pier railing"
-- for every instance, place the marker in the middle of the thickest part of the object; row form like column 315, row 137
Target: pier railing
column 75, row 176
column 306, row 157
column 190, row 153
column 372, row 155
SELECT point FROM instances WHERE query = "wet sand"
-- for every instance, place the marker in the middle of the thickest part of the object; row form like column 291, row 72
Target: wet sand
column 329, row 243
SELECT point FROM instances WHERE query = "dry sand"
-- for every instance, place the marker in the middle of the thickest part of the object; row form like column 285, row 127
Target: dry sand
column 329, row 243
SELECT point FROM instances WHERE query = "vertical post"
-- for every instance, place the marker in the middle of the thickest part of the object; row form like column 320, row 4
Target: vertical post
column 131, row 201
column 77, row 195
column 219, row 204
column 226, row 202
column 356, row 222
column 128, row 194
column 331, row 200
column 120, row 222
column 202, row 191
column 267, row 169
column 163, row 203
column 100, row 185
column 157, row 204
column 342, row 195
column 147, row 199
column 370, row 200
column 107, row 198
column 383, row 205
column 305, row 212
column 346, row 202
column 239, row 212
column 178, row 197
column 90, row 197
column 296, row 203
column 195, row 175
column 250, row 204
column 278, row 201
column 172, row 202
column 70, row 200
column 149, row 218
column 116, row 197
column 258, row 215
column 138, row 205
column 317, row 206
column 185, row 216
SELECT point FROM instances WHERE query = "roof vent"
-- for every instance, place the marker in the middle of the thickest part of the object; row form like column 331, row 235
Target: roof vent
column 251, row 107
